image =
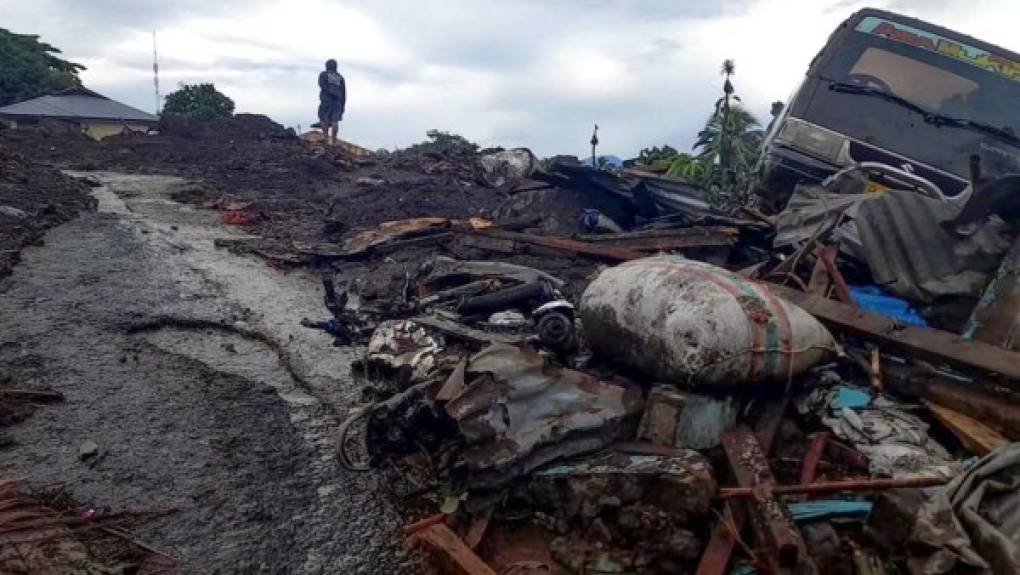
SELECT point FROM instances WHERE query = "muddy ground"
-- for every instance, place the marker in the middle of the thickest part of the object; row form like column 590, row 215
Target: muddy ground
column 185, row 363
column 300, row 193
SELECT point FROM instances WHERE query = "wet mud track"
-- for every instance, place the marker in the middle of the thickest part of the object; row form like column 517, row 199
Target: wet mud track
column 187, row 366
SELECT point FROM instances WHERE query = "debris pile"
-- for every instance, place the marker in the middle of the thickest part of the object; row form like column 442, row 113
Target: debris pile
column 701, row 391
column 596, row 371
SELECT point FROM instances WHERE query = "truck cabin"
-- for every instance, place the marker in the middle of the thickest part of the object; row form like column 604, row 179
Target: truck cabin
column 896, row 92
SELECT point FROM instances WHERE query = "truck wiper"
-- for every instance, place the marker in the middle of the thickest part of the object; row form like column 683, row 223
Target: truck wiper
column 929, row 116
column 1003, row 133
column 848, row 88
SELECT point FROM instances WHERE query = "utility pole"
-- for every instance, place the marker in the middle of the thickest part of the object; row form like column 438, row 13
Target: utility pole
column 594, row 143
column 155, row 70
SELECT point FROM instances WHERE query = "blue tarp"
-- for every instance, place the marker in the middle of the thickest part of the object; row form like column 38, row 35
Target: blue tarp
column 824, row 508
column 873, row 300
column 849, row 398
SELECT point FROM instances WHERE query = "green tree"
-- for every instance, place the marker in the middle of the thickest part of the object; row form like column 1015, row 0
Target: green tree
column 29, row 68
column 686, row 167
column 728, row 145
column 656, row 154
column 199, row 101
column 444, row 143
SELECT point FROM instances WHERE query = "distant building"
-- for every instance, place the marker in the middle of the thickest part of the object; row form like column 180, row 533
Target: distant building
column 97, row 115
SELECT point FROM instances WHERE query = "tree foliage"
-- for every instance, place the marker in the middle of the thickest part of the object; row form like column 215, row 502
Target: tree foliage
column 655, row 154
column 686, row 167
column 29, row 68
column 444, row 143
column 198, row 101
column 729, row 144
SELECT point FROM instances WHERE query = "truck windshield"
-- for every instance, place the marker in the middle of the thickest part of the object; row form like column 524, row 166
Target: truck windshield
column 975, row 93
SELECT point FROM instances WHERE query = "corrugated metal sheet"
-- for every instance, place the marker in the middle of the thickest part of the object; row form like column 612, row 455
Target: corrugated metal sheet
column 77, row 105
column 910, row 254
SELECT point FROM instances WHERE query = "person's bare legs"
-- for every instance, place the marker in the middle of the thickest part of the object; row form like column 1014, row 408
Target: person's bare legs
column 325, row 130
column 334, row 127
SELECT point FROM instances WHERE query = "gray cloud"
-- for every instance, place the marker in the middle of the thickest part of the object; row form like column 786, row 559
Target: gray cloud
column 514, row 72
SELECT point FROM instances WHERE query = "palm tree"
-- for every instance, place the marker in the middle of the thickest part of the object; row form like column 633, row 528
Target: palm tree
column 729, row 143
column 686, row 167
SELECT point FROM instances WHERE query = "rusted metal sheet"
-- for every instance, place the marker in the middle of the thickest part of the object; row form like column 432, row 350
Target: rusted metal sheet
column 774, row 528
column 913, row 341
column 819, row 488
column 609, row 253
column 519, row 413
column 996, row 319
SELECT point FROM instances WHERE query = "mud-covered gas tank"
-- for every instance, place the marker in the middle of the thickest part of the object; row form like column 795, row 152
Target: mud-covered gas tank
column 687, row 322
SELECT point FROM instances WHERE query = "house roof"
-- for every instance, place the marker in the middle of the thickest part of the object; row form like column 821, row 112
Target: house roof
column 77, row 103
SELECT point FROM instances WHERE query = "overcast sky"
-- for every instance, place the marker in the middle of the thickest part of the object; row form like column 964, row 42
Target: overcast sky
column 535, row 73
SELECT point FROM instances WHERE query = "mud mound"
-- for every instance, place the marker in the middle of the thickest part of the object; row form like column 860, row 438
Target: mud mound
column 239, row 127
column 33, row 198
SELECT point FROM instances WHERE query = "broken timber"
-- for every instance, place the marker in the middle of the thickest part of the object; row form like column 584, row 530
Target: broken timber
column 973, row 434
column 667, row 239
column 567, row 245
column 715, row 559
column 777, row 536
column 913, row 341
column 450, row 550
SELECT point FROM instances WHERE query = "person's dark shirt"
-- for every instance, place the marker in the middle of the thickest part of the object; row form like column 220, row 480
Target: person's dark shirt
column 332, row 88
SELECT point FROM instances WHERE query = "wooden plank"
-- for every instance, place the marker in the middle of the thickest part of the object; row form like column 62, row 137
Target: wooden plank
column 563, row 245
column 973, row 434
column 665, row 244
column 479, row 525
column 828, row 255
column 819, row 283
column 450, row 551
column 716, row 557
column 940, row 347
column 707, row 233
column 812, row 457
column 994, row 406
column 775, row 531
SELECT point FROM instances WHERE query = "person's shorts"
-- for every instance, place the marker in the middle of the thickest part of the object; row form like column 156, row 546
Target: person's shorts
column 330, row 112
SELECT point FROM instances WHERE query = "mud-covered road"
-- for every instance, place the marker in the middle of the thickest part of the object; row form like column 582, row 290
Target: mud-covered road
column 187, row 366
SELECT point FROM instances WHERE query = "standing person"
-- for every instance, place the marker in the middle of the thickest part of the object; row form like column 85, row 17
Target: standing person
column 332, row 100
